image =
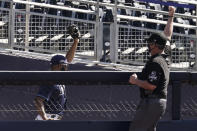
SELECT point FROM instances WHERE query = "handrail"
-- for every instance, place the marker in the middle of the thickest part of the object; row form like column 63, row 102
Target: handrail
column 155, row 21
column 55, row 6
column 105, row 4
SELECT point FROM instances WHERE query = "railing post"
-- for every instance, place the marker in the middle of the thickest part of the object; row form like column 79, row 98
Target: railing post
column 113, row 37
column 27, row 18
column 176, row 100
column 99, row 35
column 11, row 25
column 195, row 66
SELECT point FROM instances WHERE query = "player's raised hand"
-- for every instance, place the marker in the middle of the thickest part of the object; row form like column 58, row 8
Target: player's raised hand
column 171, row 10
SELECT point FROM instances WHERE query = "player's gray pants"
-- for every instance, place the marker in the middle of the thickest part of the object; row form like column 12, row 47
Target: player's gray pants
column 148, row 113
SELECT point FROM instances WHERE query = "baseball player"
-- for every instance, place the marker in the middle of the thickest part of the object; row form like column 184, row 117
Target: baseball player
column 153, row 81
column 50, row 100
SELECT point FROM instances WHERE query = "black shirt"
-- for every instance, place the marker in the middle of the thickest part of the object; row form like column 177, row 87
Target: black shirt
column 156, row 72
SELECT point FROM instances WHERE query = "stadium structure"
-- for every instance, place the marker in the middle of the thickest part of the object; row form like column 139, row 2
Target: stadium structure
column 111, row 44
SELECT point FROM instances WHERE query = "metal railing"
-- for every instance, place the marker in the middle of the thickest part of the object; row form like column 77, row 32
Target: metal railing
column 41, row 27
column 41, row 31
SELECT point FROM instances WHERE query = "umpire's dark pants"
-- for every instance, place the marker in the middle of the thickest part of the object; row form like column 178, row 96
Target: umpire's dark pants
column 148, row 113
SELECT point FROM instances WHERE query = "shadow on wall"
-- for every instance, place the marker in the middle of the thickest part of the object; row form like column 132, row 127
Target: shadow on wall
column 15, row 63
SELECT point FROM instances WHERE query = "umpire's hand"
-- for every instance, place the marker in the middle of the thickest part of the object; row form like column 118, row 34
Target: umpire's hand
column 133, row 79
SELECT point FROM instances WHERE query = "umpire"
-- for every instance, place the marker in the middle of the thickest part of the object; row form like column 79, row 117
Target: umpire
column 50, row 100
column 153, row 81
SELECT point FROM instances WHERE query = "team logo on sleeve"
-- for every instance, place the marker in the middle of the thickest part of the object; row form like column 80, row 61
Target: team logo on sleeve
column 152, row 77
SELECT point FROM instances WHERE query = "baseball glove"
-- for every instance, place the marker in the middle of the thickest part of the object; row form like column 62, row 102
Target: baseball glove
column 73, row 31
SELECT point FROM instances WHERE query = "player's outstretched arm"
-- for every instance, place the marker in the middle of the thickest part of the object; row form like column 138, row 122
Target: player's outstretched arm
column 169, row 26
column 73, row 31
column 71, row 53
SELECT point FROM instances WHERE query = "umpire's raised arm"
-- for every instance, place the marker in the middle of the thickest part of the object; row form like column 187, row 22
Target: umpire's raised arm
column 169, row 26
column 75, row 34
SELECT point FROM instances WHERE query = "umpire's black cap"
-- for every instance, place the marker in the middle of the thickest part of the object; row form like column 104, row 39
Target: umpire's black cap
column 58, row 59
column 157, row 38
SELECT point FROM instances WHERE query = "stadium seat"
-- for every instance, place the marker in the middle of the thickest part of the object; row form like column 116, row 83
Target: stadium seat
column 129, row 3
column 67, row 13
column 20, row 6
column 137, row 14
column 52, row 11
column 151, row 16
column 108, row 16
column 137, row 23
column 112, row 1
column 68, row 3
column 192, row 22
column 37, row 9
column 123, row 12
column 106, row 1
column 75, row 4
column 124, row 22
column 82, row 15
column 180, row 10
column 91, row 16
column 4, row 4
column 182, row 21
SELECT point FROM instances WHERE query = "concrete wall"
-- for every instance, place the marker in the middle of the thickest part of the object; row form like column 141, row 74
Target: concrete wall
column 91, row 126
column 20, row 98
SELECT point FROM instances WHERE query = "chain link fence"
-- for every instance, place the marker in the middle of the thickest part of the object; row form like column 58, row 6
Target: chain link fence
column 97, row 102
column 188, row 102
column 112, row 102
